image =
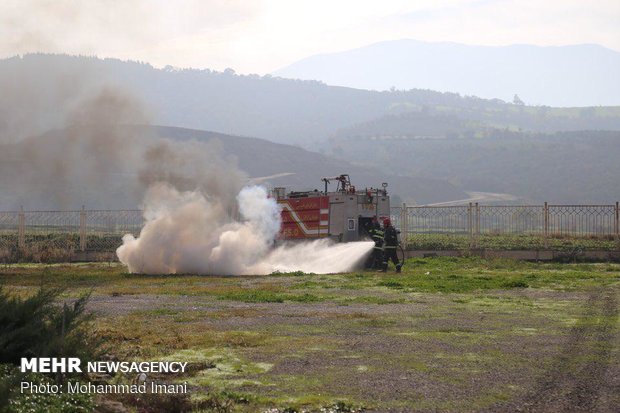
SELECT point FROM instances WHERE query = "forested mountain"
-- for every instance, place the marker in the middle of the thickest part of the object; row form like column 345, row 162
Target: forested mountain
column 421, row 138
column 575, row 75
column 280, row 110
column 302, row 169
column 566, row 167
column 79, row 165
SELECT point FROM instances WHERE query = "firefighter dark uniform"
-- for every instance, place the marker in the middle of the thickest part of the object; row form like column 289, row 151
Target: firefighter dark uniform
column 376, row 233
column 389, row 245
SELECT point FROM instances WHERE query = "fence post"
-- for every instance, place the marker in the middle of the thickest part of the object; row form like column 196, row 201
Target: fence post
column 82, row 229
column 617, row 223
column 546, row 225
column 21, row 229
column 470, row 225
column 477, row 226
column 404, row 225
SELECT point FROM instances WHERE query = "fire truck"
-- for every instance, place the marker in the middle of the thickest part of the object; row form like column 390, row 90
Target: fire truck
column 342, row 214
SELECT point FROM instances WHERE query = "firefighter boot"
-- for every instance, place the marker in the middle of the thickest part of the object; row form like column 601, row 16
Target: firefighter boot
column 398, row 267
column 384, row 267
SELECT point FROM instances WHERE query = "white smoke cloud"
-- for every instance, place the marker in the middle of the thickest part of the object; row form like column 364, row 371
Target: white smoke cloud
column 242, row 245
column 188, row 232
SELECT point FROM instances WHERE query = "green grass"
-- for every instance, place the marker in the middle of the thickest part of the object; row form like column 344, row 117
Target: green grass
column 437, row 274
column 569, row 244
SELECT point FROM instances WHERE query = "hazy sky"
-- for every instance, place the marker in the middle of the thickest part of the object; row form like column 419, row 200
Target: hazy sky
column 259, row 36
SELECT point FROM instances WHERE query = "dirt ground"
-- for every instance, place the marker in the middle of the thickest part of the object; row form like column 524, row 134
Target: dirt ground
column 377, row 343
column 584, row 376
column 429, row 355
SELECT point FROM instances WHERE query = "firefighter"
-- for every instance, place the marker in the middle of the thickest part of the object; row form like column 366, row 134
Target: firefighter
column 376, row 233
column 390, row 244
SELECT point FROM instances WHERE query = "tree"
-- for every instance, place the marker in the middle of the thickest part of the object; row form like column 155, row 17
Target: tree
column 517, row 100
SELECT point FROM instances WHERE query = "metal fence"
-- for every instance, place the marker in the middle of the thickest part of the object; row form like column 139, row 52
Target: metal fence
column 509, row 227
column 49, row 235
column 43, row 235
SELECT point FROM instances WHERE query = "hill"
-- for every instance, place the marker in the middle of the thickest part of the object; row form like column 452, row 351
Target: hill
column 39, row 91
column 261, row 158
column 105, row 168
column 565, row 167
column 575, row 75
column 421, row 138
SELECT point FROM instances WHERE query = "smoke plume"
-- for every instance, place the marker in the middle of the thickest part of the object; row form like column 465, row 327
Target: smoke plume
column 105, row 156
column 188, row 232
column 97, row 150
column 81, row 162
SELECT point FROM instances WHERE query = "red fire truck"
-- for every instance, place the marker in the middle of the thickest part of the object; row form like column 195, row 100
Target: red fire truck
column 342, row 214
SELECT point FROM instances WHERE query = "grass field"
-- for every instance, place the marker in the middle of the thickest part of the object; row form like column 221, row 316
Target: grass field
column 564, row 243
column 448, row 334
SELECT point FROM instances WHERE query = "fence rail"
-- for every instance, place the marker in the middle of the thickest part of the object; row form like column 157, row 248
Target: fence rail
column 49, row 235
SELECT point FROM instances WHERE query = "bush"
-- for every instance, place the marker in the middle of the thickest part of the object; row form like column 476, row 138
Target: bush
column 37, row 327
column 515, row 284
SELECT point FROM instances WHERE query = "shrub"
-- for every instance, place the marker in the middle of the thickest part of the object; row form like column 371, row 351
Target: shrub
column 37, row 327
column 515, row 284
